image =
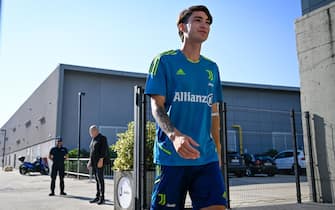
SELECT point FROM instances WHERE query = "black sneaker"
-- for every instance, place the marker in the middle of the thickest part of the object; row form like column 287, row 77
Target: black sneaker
column 101, row 201
column 94, row 200
column 52, row 194
column 63, row 193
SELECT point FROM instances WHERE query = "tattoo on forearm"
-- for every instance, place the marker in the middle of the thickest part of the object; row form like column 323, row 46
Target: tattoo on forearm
column 163, row 120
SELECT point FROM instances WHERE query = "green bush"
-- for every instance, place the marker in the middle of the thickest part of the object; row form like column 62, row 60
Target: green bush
column 124, row 148
column 112, row 153
column 74, row 153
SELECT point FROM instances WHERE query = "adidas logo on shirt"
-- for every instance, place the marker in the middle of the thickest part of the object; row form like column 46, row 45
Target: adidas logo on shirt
column 180, row 72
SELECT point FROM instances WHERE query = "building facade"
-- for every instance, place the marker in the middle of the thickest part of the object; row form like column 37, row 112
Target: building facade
column 258, row 116
column 315, row 49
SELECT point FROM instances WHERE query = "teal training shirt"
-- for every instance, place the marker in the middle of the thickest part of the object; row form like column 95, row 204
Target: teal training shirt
column 190, row 89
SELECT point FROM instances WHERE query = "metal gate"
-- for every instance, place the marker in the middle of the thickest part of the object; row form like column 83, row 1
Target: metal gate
column 242, row 191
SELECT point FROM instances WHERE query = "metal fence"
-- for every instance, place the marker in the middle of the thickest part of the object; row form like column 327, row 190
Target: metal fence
column 245, row 131
column 261, row 134
column 71, row 168
column 251, row 131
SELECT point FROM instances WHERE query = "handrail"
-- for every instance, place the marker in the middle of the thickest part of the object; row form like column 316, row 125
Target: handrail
column 71, row 168
column 77, row 159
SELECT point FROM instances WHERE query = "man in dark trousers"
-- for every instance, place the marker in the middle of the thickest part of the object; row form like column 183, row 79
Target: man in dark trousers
column 98, row 151
column 58, row 154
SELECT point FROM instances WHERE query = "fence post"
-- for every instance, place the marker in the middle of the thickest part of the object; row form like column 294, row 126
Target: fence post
column 90, row 173
column 143, row 142
column 224, row 151
column 139, row 149
column 80, row 94
column 67, row 167
column 295, row 153
column 137, row 130
column 310, row 151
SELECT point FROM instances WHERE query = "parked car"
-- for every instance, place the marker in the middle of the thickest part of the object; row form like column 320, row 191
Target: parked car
column 236, row 164
column 285, row 161
column 259, row 164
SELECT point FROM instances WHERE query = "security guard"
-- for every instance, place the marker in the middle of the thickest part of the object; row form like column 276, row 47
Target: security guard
column 58, row 154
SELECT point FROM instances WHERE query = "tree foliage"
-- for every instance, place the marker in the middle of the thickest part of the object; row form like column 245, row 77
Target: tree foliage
column 74, row 153
column 124, row 147
column 271, row 152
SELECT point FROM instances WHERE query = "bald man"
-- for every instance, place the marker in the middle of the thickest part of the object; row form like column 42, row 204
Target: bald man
column 98, row 151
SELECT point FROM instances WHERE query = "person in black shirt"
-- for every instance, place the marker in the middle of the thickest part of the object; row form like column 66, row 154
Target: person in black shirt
column 98, row 151
column 58, row 154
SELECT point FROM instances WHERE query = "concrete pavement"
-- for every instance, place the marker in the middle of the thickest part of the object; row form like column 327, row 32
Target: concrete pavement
column 30, row 192
column 304, row 206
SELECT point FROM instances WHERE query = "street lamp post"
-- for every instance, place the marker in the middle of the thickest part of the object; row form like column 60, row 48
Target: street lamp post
column 80, row 94
column 4, row 147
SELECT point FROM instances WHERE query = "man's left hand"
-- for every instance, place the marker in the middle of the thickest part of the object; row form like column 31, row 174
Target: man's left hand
column 101, row 163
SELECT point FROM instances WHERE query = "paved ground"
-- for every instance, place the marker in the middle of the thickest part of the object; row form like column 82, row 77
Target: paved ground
column 263, row 190
column 304, row 206
column 19, row 192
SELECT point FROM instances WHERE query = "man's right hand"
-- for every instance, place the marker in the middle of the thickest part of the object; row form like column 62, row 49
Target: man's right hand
column 89, row 165
column 184, row 145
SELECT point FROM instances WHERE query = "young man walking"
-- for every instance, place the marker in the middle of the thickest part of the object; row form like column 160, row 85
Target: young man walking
column 185, row 90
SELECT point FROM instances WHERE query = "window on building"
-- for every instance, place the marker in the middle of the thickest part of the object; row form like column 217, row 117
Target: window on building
column 28, row 124
column 42, row 120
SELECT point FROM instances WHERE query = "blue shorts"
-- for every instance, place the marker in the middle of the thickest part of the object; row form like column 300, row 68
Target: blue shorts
column 204, row 184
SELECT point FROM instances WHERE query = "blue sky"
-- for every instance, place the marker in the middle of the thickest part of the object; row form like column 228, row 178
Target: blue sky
column 251, row 41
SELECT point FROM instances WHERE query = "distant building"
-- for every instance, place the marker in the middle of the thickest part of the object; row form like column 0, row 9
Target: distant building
column 258, row 115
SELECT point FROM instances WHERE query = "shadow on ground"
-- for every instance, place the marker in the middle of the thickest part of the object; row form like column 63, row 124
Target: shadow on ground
column 107, row 202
